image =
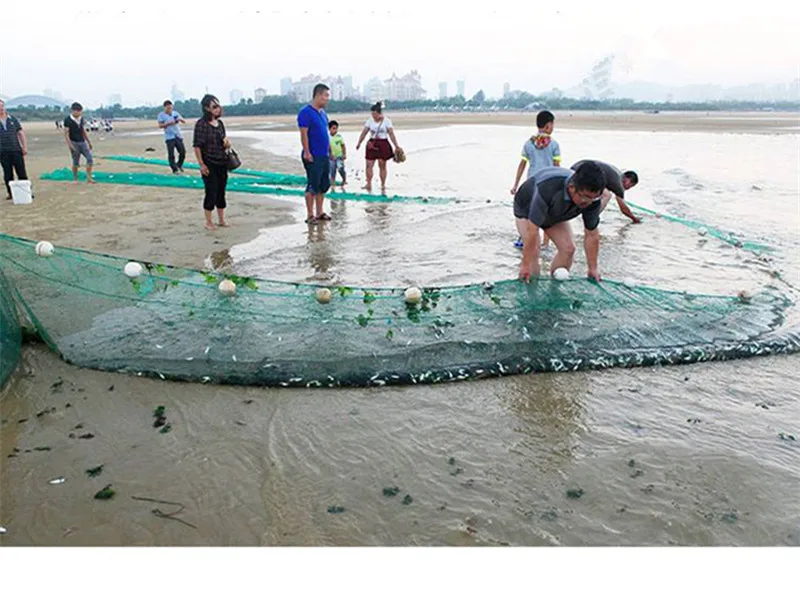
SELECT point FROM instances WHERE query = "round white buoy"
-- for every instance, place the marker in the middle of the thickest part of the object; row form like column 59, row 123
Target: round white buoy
column 561, row 274
column 745, row 296
column 702, row 231
column 413, row 295
column 133, row 269
column 227, row 287
column 630, row 283
column 324, row 295
column 44, row 249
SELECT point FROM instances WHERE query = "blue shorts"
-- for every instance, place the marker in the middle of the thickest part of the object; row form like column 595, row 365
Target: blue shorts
column 78, row 148
column 318, row 174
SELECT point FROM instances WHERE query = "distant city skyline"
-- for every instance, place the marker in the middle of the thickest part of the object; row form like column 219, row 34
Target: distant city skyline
column 680, row 45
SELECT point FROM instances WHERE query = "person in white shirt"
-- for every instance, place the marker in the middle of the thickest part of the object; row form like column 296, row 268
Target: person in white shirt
column 381, row 131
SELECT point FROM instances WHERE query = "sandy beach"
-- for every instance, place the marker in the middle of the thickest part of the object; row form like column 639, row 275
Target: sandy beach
column 262, row 467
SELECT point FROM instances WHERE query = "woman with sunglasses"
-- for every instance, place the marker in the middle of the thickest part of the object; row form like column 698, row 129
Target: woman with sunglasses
column 210, row 148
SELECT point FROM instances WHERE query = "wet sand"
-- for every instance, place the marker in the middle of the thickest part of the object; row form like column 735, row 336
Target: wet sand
column 679, row 455
column 707, row 121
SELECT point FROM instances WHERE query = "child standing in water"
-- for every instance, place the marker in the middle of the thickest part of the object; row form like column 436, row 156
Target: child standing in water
column 338, row 153
column 540, row 151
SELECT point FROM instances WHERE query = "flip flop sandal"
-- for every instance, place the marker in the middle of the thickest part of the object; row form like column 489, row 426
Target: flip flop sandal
column 311, row 220
column 324, row 217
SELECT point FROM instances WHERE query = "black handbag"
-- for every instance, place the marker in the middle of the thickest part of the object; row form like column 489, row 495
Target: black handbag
column 233, row 159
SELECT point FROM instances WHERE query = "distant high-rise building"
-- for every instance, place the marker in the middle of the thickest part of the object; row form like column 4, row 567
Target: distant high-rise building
column 259, row 94
column 286, row 86
column 176, row 94
column 461, row 87
column 114, row 99
column 442, row 90
column 506, row 90
column 341, row 87
column 374, row 90
column 236, row 96
column 409, row 87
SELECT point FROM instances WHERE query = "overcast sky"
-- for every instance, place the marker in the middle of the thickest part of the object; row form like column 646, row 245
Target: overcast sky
column 97, row 49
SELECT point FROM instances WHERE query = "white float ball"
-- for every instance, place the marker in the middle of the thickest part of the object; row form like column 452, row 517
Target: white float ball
column 745, row 296
column 133, row 269
column 702, row 231
column 227, row 287
column 413, row 295
column 44, row 249
column 324, row 295
column 561, row 274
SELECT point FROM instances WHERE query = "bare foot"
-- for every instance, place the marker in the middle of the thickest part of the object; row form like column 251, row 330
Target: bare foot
column 224, row 224
column 367, row 187
column 75, row 181
column 210, row 227
column 91, row 181
column 383, row 189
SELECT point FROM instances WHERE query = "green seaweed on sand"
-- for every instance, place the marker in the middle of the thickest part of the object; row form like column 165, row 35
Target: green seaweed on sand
column 105, row 494
column 407, row 500
column 390, row 492
column 335, row 509
column 94, row 471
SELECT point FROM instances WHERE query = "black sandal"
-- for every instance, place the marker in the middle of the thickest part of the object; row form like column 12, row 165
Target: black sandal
column 324, row 217
column 311, row 220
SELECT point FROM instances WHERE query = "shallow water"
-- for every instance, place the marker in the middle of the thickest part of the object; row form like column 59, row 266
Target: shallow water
column 678, row 455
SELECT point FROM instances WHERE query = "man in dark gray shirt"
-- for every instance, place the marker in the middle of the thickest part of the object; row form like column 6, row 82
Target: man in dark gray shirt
column 548, row 200
column 617, row 183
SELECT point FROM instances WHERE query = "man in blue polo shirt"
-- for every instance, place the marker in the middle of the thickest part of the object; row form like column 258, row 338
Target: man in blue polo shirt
column 169, row 120
column 313, row 123
column 549, row 200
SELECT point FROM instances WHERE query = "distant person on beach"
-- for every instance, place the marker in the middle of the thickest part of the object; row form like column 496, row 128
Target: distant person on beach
column 540, row 151
column 210, row 149
column 78, row 142
column 381, row 130
column 549, row 200
column 169, row 120
column 617, row 182
column 338, row 153
column 58, row 124
column 13, row 147
column 312, row 120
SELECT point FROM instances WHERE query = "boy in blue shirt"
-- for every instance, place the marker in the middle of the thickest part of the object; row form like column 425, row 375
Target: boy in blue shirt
column 313, row 123
column 168, row 120
column 540, row 151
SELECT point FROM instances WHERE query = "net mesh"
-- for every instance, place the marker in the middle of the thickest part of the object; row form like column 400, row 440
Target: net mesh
column 175, row 323
column 235, row 184
column 10, row 333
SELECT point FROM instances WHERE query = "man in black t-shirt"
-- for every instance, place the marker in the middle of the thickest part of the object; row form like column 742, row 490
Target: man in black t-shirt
column 78, row 142
column 617, row 182
column 13, row 147
column 549, row 200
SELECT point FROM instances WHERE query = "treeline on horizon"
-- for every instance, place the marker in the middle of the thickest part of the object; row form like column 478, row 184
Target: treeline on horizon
column 287, row 105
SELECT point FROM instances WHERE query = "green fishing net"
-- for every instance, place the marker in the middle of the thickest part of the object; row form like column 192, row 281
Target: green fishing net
column 175, row 323
column 266, row 177
column 10, row 335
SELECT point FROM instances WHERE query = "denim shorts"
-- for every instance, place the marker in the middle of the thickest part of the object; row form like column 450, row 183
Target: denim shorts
column 78, row 148
column 318, row 174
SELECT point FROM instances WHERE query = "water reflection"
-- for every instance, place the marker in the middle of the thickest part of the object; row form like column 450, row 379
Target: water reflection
column 547, row 410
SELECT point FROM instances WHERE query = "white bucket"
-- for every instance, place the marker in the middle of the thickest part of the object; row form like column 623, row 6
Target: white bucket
column 21, row 193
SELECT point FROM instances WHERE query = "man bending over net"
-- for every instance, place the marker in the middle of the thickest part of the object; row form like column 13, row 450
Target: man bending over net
column 617, row 182
column 548, row 200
